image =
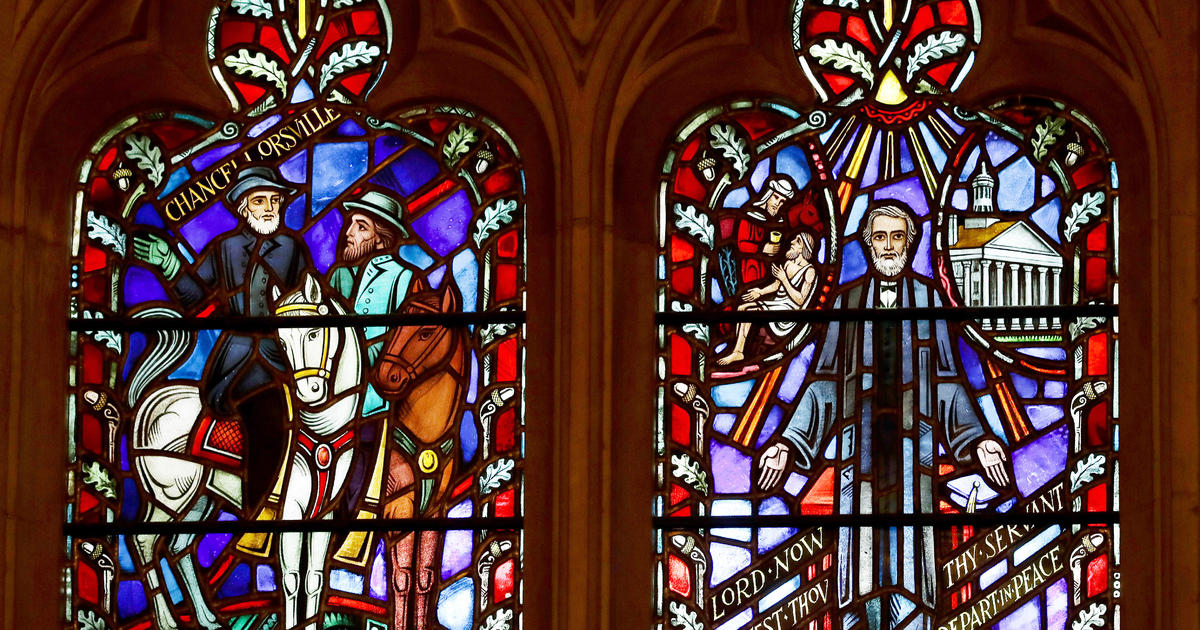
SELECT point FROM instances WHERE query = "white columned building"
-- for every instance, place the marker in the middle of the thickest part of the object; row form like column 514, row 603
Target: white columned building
column 1002, row 263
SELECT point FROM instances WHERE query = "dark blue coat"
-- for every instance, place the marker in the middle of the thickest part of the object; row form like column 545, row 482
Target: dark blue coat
column 238, row 271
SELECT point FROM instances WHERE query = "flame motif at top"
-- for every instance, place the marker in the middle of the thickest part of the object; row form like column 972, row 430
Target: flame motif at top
column 262, row 52
column 888, row 51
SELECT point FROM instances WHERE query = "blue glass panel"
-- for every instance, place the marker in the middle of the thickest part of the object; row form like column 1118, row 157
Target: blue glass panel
column 999, row 149
column 445, row 227
column 910, row 191
column 350, row 128
column 238, row 582
column 456, row 605
column 378, row 584
column 793, row 162
column 212, row 156
column 409, row 172
column 761, row 171
column 385, row 146
column 336, row 166
column 295, row 168
column 730, row 469
column 147, row 215
column 296, row 213
column 736, row 198
column 346, row 581
column 177, row 179
column 1040, row 460
column 414, row 255
column 302, row 93
column 468, row 436
column 131, row 599
column 466, row 277
column 727, row 560
column 260, row 128
column 322, row 239
column 1014, row 192
column 1047, row 217
column 208, row 225
column 140, row 285
column 732, row 394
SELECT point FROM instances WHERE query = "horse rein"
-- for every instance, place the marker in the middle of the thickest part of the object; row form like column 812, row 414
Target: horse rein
column 326, row 360
column 405, row 365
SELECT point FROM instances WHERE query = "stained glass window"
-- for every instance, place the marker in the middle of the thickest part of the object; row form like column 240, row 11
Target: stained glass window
column 887, row 339
column 297, row 349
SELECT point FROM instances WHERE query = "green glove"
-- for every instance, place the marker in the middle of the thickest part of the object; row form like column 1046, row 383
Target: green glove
column 155, row 251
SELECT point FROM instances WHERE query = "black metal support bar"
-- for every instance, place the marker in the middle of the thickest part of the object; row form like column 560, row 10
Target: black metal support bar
column 277, row 527
column 677, row 318
column 978, row 519
column 392, row 320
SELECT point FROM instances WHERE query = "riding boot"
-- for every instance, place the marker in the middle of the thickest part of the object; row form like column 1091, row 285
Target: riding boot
column 401, row 568
column 424, row 589
column 426, row 556
column 162, row 611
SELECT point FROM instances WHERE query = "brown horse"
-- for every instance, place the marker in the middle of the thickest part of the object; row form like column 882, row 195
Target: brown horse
column 422, row 369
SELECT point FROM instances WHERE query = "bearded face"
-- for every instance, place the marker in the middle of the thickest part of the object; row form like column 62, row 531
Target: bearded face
column 889, row 245
column 261, row 211
column 362, row 237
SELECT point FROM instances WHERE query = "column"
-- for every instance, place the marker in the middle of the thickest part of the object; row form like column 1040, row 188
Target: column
column 1028, row 270
column 1014, row 298
column 1055, row 292
column 961, row 280
column 1002, row 292
column 972, row 283
column 985, row 295
column 1043, row 294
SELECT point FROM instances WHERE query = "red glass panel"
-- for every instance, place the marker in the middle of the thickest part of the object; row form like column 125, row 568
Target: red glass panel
column 687, row 185
column 365, row 22
column 952, row 12
column 921, row 22
column 678, row 577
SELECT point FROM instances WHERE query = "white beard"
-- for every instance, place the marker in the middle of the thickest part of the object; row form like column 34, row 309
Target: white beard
column 889, row 267
column 264, row 227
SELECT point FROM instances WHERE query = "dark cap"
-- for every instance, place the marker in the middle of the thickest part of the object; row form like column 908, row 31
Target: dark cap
column 256, row 178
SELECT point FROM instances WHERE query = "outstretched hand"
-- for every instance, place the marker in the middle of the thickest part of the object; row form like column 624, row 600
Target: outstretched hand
column 772, row 463
column 992, row 457
column 155, row 251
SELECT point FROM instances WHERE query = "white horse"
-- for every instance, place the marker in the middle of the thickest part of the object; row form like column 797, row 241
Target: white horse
column 174, row 482
column 327, row 371
column 327, row 368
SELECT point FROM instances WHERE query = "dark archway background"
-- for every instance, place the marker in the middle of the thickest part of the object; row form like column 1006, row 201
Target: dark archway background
column 590, row 91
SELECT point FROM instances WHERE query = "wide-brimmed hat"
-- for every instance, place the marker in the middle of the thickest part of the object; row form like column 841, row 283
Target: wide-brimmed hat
column 256, row 178
column 379, row 206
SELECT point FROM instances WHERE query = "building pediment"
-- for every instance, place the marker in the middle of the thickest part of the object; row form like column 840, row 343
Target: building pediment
column 1005, row 241
column 1020, row 237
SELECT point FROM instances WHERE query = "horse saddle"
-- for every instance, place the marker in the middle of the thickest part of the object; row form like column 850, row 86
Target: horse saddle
column 219, row 441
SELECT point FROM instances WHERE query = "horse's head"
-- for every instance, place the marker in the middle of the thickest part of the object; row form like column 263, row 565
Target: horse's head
column 416, row 351
column 310, row 350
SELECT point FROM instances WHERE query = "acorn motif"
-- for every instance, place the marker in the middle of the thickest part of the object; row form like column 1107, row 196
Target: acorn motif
column 707, row 167
column 484, row 159
column 1074, row 152
column 122, row 177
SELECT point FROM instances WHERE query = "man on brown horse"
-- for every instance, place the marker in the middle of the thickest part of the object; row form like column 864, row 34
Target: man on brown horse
column 422, row 369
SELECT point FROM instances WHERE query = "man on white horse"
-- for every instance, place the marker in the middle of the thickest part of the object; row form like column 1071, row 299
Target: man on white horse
column 233, row 274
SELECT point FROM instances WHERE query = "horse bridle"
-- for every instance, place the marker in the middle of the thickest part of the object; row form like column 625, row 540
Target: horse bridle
column 407, row 367
column 326, row 360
